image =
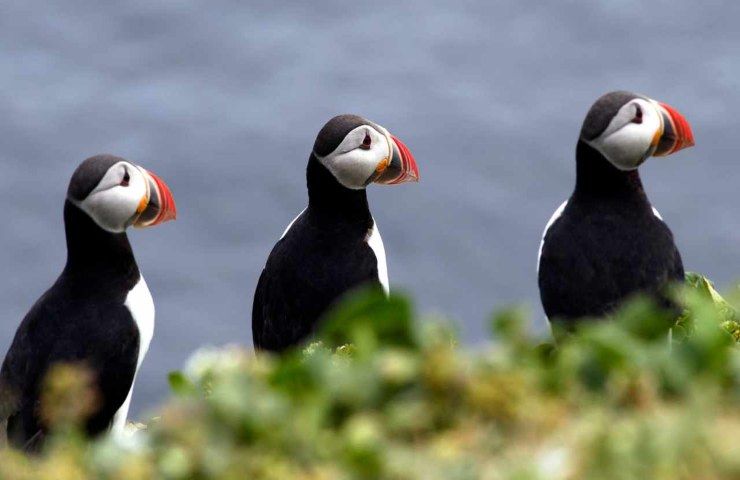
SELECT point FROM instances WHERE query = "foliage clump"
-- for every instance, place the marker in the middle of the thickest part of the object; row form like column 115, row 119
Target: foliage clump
column 383, row 395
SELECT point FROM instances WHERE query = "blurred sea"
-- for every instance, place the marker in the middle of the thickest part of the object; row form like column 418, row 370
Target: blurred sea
column 223, row 99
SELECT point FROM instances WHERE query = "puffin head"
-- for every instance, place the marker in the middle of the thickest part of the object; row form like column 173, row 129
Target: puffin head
column 117, row 194
column 627, row 128
column 358, row 152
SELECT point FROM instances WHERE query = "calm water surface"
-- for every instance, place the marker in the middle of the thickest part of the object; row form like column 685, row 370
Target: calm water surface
column 224, row 99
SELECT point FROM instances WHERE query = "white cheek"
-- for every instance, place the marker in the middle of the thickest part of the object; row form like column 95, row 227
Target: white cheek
column 352, row 169
column 114, row 208
column 626, row 148
column 355, row 166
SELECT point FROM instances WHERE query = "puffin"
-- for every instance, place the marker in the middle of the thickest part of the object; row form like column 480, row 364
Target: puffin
column 334, row 244
column 607, row 242
column 99, row 312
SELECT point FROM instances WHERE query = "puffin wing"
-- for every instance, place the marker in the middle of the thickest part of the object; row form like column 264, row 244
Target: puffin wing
column 258, row 319
column 20, row 374
column 45, row 338
column 307, row 270
column 586, row 273
column 9, row 390
column 676, row 271
column 9, row 399
column 279, row 306
column 555, row 216
column 285, row 305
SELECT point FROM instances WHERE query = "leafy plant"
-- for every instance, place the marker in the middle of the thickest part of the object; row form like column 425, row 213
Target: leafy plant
column 384, row 394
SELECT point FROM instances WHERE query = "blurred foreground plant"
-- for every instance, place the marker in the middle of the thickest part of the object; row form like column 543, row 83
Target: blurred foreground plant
column 381, row 395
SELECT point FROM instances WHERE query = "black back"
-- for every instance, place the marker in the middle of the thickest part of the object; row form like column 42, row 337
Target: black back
column 81, row 318
column 607, row 244
column 322, row 256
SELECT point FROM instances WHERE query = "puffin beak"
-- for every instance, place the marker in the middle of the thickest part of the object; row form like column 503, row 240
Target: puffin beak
column 158, row 205
column 400, row 168
column 676, row 133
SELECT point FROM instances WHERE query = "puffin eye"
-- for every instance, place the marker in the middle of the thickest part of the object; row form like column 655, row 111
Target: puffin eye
column 366, row 142
column 638, row 114
column 126, row 179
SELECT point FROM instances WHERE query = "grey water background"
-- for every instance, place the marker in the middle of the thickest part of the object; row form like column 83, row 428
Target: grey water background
column 223, row 99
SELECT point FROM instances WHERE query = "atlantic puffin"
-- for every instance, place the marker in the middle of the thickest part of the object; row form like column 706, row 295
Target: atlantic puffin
column 607, row 242
column 99, row 312
column 334, row 244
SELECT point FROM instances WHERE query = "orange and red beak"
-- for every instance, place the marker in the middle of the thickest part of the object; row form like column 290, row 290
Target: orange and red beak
column 400, row 168
column 158, row 205
column 676, row 133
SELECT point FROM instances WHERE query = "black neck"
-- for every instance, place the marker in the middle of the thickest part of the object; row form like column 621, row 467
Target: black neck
column 95, row 253
column 330, row 201
column 597, row 177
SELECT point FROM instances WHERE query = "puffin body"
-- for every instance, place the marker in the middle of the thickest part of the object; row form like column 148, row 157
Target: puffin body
column 607, row 242
column 334, row 245
column 99, row 312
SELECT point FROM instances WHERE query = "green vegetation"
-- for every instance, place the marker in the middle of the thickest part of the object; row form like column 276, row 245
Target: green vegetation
column 401, row 400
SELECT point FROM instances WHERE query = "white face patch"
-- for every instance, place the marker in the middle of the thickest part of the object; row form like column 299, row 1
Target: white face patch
column 627, row 143
column 354, row 161
column 114, row 201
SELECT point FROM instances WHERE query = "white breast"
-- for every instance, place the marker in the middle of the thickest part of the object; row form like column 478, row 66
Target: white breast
column 552, row 220
column 139, row 302
column 141, row 306
column 375, row 242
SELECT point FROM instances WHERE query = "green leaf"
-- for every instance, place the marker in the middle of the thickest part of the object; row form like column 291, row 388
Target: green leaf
column 180, row 384
column 367, row 319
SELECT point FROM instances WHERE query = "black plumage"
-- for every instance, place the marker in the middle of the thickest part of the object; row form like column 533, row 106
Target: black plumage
column 608, row 243
column 323, row 254
column 80, row 319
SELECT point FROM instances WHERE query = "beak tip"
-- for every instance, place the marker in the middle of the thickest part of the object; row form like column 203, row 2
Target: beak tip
column 402, row 167
column 164, row 208
column 678, row 131
column 414, row 170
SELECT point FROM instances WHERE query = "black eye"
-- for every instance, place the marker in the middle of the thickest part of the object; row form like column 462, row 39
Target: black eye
column 366, row 142
column 638, row 115
column 126, row 179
